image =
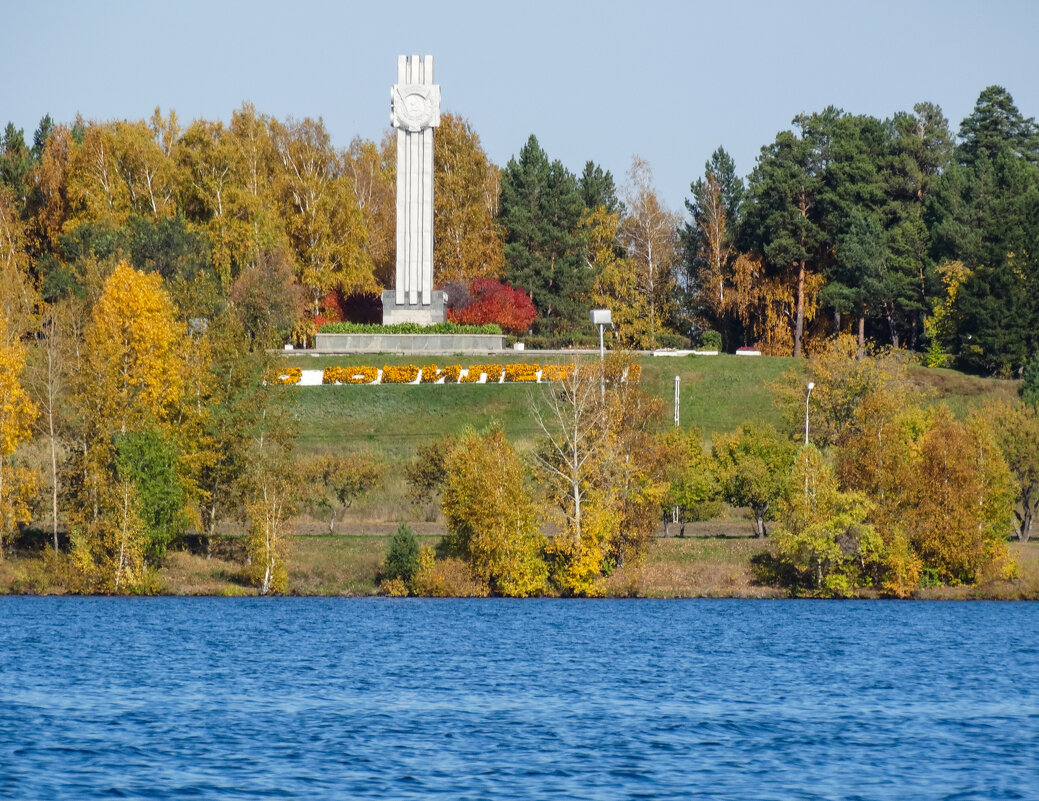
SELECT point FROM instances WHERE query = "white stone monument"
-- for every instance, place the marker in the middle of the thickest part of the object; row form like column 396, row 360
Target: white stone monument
column 415, row 112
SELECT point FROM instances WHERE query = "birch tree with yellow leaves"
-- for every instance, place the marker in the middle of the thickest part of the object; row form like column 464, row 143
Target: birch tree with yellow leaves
column 324, row 222
column 132, row 376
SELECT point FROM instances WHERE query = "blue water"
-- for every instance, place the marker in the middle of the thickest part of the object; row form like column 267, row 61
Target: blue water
column 380, row 698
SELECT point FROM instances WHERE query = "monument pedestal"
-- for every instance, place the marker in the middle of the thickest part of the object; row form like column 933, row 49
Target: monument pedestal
column 423, row 314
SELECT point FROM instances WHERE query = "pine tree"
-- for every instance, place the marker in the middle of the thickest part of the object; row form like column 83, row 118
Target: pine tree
column 541, row 208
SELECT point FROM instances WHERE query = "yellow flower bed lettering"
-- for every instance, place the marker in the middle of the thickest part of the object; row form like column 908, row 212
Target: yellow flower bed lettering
column 452, row 374
column 289, row 375
column 556, row 372
column 399, row 373
column 350, row 375
column 493, row 372
column 515, row 373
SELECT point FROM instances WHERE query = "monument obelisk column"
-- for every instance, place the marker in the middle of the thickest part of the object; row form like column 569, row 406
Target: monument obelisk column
column 415, row 113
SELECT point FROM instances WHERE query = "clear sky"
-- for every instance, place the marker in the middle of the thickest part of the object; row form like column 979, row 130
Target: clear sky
column 669, row 81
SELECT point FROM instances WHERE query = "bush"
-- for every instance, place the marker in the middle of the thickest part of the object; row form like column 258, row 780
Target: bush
column 402, row 557
column 496, row 303
column 446, row 578
column 710, row 340
column 669, row 339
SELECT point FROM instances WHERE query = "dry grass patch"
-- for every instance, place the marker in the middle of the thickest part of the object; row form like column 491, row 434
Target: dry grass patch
column 697, row 568
column 186, row 573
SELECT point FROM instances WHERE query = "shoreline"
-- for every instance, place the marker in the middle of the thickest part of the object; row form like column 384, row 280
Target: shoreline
column 347, row 565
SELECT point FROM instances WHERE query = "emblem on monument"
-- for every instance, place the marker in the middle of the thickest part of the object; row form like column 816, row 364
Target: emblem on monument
column 415, row 107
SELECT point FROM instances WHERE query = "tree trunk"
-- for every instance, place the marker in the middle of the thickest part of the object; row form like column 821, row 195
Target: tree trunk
column 800, row 322
column 1024, row 517
column 862, row 336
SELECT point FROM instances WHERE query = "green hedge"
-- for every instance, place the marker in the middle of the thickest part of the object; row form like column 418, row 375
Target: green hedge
column 407, row 328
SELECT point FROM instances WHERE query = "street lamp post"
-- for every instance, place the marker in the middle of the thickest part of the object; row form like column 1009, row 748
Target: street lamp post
column 811, row 386
column 602, row 318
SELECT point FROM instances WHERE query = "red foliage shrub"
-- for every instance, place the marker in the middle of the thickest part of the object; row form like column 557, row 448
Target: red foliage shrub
column 331, row 309
column 495, row 302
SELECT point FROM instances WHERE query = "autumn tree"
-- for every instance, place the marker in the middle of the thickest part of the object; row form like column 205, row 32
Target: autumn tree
column 335, row 481
column 267, row 299
column 841, row 381
column 18, row 296
column 693, row 486
column 133, row 364
column 616, row 281
column 324, row 222
column 569, row 459
column 18, row 412
column 490, row 302
column 1016, row 429
column 373, row 169
column 270, row 490
column 491, row 515
column 649, row 235
column 427, row 472
column 711, row 235
column 466, row 191
column 942, row 493
column 131, row 376
column 961, row 500
column 634, row 465
column 227, row 189
column 50, row 380
column 823, row 537
column 754, row 465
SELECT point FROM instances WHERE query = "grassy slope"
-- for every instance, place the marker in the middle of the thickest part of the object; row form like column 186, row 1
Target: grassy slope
column 717, row 393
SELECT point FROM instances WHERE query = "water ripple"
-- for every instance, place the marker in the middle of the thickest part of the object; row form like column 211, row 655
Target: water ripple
column 379, row 698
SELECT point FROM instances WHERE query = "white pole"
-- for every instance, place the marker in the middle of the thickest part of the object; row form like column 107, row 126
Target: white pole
column 602, row 367
column 811, row 386
column 676, row 401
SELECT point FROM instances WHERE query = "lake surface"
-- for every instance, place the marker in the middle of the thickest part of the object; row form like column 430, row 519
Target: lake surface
column 392, row 698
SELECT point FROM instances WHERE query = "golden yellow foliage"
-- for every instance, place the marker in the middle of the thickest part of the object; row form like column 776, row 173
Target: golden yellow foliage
column 465, row 203
column 491, row 516
column 961, row 500
column 134, row 366
column 843, row 379
column 766, row 304
column 18, row 412
column 108, row 550
column 445, row 578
